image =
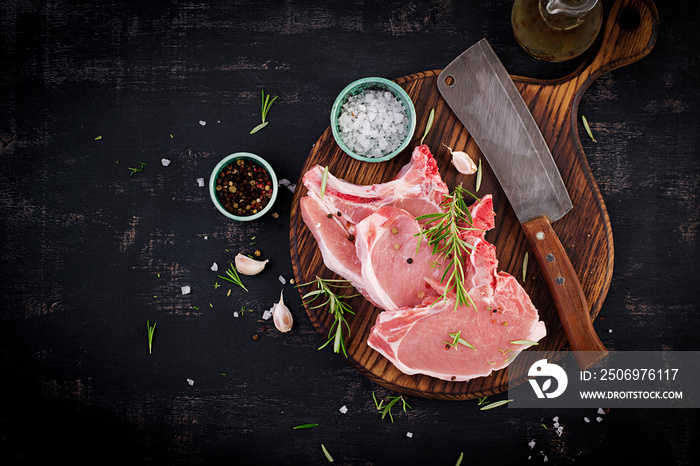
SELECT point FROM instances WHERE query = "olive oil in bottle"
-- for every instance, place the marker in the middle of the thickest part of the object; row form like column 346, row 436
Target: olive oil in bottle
column 556, row 30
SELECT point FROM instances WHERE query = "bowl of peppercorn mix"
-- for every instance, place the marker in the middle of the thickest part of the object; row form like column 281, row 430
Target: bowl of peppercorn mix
column 243, row 186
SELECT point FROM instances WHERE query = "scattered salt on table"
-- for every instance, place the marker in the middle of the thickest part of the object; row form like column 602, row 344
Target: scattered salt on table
column 282, row 280
column 599, row 419
column 186, row 290
column 200, row 182
column 235, row 314
column 601, row 411
column 586, row 419
column 343, row 409
column 409, row 434
column 268, row 314
column 531, row 444
column 165, row 162
column 214, row 267
column 202, row 122
column 190, row 381
column 545, row 459
column 560, row 429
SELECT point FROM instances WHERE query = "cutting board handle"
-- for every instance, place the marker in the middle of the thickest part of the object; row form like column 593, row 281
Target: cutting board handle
column 629, row 34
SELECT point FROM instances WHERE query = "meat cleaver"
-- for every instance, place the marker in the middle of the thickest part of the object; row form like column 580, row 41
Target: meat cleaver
column 480, row 92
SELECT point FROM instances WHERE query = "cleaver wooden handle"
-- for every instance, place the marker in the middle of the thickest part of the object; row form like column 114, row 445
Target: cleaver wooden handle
column 566, row 291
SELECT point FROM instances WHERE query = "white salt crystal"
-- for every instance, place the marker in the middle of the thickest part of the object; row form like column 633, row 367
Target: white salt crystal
column 409, row 434
column 555, row 419
column 165, row 162
column 609, row 330
column 200, row 182
column 186, row 290
column 343, row 409
column 586, row 419
column 202, row 122
column 282, row 280
column 599, row 419
column 556, row 424
column 267, row 314
column 235, row 314
column 190, row 381
column 214, row 267
column 545, row 459
column 601, row 411
column 532, row 444
column 283, row 182
column 560, row 429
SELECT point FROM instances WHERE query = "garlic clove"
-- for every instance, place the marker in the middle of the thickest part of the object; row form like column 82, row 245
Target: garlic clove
column 463, row 163
column 248, row 266
column 281, row 316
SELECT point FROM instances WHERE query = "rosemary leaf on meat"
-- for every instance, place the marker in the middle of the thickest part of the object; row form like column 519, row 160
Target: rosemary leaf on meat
column 457, row 340
column 390, row 402
column 337, row 307
column 442, row 231
column 523, row 342
column 324, row 181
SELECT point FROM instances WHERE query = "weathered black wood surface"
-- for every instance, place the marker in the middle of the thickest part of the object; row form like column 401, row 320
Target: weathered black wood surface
column 89, row 254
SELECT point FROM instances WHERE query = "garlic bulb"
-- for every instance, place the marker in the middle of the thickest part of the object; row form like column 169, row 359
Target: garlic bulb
column 248, row 266
column 281, row 316
column 462, row 162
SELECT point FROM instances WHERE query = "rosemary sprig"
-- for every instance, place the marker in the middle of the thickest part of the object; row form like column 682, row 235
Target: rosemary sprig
column 324, row 181
column 137, row 170
column 233, row 277
column 336, row 306
column 386, row 408
column 266, row 104
column 457, row 340
column 459, row 460
column 494, row 405
column 428, row 125
column 442, row 231
column 482, row 401
column 588, row 128
column 151, row 331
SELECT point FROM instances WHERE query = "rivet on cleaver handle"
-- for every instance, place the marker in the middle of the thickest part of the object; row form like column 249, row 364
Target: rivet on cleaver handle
column 480, row 92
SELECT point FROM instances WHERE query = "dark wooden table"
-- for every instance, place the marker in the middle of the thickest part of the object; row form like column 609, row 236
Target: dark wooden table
column 90, row 254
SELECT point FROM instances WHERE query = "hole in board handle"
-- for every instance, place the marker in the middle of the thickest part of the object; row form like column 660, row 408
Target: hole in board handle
column 629, row 18
column 449, row 80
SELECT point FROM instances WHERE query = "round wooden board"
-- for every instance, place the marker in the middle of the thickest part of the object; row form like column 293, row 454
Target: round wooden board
column 585, row 233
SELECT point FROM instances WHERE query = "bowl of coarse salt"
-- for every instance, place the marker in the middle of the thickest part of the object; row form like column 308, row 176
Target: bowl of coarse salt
column 373, row 119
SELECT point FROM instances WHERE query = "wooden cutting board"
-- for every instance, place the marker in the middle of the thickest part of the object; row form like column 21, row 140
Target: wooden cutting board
column 629, row 33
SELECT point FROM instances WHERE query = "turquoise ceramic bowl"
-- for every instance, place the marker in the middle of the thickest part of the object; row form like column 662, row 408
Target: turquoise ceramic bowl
column 380, row 84
column 227, row 161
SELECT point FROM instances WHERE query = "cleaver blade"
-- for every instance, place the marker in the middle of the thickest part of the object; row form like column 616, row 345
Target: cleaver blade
column 480, row 92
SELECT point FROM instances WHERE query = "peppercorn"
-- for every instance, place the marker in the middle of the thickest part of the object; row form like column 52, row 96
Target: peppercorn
column 257, row 253
column 409, row 260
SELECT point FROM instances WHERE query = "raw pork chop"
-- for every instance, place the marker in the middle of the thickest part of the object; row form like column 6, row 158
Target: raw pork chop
column 417, row 188
column 394, row 268
column 416, row 339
